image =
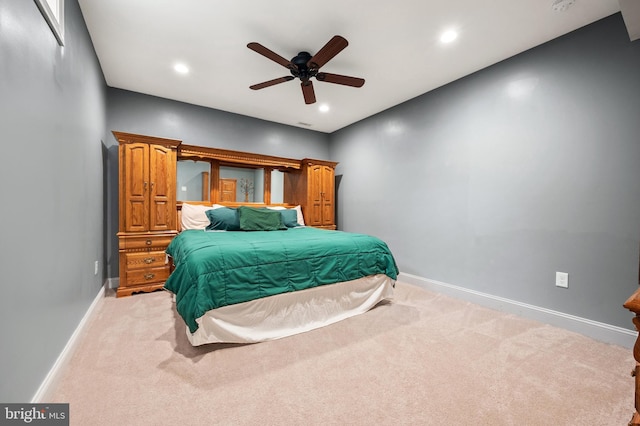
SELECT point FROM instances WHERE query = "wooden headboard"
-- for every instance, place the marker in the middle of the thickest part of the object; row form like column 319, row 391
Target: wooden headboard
column 307, row 183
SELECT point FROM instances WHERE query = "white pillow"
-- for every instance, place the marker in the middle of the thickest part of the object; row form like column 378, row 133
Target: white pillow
column 298, row 209
column 194, row 216
column 300, row 216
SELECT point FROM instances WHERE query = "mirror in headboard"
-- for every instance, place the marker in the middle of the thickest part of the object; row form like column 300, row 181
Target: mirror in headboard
column 193, row 180
column 235, row 176
column 241, row 184
column 277, row 186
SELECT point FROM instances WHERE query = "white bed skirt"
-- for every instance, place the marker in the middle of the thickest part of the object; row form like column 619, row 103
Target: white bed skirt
column 287, row 314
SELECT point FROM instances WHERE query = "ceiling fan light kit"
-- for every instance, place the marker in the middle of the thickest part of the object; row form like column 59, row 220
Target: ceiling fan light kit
column 305, row 66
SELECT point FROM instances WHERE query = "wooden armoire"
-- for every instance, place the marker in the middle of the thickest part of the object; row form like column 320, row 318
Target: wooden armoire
column 313, row 187
column 147, row 210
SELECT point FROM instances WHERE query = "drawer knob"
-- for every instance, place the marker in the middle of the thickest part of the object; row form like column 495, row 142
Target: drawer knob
column 149, row 276
column 148, row 242
column 148, row 260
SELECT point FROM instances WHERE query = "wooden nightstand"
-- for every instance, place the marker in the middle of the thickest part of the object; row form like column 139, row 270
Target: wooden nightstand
column 143, row 265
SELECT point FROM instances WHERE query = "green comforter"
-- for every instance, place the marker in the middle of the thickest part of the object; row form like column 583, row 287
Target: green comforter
column 214, row 269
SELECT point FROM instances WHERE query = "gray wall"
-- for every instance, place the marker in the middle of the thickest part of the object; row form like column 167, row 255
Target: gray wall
column 500, row 179
column 193, row 125
column 52, row 118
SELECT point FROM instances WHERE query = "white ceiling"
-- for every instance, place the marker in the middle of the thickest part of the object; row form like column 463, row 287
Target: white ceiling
column 631, row 14
column 394, row 46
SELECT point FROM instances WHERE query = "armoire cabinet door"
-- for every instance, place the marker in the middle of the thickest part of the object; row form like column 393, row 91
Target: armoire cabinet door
column 162, row 178
column 328, row 208
column 314, row 196
column 135, row 158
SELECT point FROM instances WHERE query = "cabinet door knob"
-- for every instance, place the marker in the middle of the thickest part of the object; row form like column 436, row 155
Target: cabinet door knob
column 149, row 276
column 149, row 260
column 148, row 242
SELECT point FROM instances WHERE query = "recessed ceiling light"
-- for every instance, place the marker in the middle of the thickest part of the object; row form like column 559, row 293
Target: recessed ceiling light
column 448, row 36
column 323, row 108
column 181, row 68
column 561, row 5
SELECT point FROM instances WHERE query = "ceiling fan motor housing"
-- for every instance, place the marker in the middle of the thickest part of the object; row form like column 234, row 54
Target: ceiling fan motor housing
column 301, row 70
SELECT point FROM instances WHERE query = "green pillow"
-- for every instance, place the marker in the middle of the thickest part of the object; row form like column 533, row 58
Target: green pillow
column 260, row 219
column 223, row 219
column 289, row 217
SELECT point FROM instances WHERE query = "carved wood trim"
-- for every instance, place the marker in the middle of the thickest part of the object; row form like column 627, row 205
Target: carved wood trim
column 138, row 288
column 236, row 157
column 311, row 162
column 124, row 137
column 151, row 249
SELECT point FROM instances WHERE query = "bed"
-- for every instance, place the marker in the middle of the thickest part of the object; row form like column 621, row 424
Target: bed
column 241, row 281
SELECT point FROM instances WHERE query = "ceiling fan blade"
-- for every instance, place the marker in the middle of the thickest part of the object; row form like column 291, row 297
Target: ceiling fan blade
column 328, row 51
column 269, row 54
column 307, row 92
column 271, row 82
column 340, row 79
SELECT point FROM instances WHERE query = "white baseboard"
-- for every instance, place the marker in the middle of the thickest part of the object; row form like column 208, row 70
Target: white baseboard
column 597, row 330
column 44, row 391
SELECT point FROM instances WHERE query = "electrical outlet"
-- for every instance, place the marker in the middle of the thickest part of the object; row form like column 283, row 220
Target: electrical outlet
column 96, row 266
column 562, row 279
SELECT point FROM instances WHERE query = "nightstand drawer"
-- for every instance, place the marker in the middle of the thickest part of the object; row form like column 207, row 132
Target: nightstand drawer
column 145, row 242
column 148, row 275
column 151, row 259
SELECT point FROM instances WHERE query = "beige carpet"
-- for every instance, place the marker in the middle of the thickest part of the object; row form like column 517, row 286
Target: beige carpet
column 424, row 359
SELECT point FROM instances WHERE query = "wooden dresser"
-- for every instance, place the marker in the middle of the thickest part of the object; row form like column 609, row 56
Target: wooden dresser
column 147, row 214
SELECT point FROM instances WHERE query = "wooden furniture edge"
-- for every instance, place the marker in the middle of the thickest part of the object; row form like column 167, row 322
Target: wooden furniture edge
column 633, row 304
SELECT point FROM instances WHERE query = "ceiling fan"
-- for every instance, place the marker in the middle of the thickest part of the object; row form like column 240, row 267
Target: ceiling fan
column 304, row 66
